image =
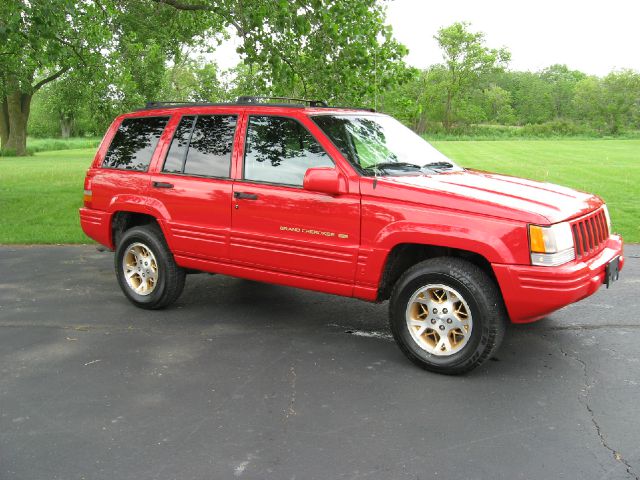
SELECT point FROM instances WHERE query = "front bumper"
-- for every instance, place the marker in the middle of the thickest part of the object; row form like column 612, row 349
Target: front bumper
column 530, row 292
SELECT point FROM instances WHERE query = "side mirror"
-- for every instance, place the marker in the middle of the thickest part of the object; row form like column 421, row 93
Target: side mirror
column 324, row 180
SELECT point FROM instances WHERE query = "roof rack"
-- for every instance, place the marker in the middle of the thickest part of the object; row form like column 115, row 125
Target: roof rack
column 250, row 100
column 253, row 100
column 150, row 105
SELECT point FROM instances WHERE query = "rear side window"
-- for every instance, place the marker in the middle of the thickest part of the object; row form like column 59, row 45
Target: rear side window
column 134, row 143
column 280, row 150
column 202, row 146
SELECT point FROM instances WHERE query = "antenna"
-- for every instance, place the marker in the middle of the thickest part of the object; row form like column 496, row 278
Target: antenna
column 375, row 80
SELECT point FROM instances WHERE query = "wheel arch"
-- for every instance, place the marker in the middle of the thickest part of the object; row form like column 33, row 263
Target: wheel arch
column 403, row 256
column 123, row 220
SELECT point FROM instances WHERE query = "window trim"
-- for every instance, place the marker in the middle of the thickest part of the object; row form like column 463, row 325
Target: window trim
column 104, row 158
column 246, row 139
column 193, row 127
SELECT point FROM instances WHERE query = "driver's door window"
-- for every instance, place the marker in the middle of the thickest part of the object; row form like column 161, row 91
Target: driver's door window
column 279, row 150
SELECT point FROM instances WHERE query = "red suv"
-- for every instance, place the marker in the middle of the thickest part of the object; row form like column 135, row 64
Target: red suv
column 343, row 201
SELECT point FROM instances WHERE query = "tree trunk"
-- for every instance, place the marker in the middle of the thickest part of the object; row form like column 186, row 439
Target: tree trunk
column 66, row 126
column 421, row 127
column 18, row 105
column 4, row 122
column 447, row 113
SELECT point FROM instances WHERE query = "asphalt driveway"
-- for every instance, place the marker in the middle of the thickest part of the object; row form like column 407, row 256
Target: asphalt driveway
column 246, row 380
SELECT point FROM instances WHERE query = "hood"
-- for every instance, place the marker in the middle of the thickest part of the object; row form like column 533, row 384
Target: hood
column 500, row 195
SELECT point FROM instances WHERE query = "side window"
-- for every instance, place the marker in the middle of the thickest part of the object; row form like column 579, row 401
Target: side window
column 202, row 146
column 280, row 150
column 134, row 143
column 174, row 163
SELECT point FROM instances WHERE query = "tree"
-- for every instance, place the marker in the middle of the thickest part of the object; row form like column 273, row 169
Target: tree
column 610, row 104
column 497, row 104
column 193, row 80
column 42, row 40
column 118, row 42
column 466, row 61
column 59, row 104
column 338, row 51
column 342, row 51
column 531, row 96
column 562, row 83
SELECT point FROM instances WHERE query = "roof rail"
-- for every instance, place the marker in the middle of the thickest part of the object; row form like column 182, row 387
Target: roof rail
column 180, row 104
column 249, row 100
column 252, row 100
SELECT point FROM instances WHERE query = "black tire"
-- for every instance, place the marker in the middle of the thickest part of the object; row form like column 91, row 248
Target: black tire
column 481, row 294
column 170, row 277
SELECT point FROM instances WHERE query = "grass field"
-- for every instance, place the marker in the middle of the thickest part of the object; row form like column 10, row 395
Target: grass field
column 40, row 195
column 35, row 145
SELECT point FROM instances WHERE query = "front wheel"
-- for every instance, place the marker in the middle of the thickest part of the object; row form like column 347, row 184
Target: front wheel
column 447, row 315
column 146, row 270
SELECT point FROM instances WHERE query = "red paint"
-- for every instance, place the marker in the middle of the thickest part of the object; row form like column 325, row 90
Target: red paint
column 325, row 180
column 335, row 234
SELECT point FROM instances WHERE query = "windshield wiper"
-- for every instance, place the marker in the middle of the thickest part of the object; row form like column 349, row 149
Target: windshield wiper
column 438, row 166
column 392, row 166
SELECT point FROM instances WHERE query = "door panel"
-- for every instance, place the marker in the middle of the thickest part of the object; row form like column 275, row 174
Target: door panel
column 296, row 231
column 197, row 214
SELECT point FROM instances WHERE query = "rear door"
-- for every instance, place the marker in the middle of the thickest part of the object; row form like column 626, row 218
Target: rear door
column 193, row 186
column 279, row 226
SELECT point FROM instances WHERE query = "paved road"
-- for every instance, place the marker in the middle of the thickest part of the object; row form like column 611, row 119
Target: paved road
column 244, row 380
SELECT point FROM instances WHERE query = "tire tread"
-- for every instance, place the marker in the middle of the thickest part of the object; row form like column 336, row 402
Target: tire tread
column 174, row 280
column 486, row 294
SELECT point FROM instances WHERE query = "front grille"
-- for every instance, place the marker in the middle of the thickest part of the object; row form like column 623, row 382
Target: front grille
column 590, row 234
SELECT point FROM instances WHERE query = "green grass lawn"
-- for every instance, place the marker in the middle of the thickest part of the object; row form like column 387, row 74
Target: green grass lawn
column 40, row 195
column 35, row 145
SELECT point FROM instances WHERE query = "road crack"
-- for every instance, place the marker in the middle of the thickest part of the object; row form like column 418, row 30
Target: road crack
column 291, row 411
column 584, row 399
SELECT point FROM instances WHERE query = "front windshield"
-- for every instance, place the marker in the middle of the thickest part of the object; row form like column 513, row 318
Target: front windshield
column 380, row 144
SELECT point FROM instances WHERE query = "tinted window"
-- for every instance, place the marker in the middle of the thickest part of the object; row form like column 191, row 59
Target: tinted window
column 174, row 162
column 134, row 143
column 210, row 147
column 203, row 149
column 280, row 150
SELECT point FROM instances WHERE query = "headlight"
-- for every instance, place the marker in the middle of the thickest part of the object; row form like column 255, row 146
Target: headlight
column 606, row 214
column 551, row 246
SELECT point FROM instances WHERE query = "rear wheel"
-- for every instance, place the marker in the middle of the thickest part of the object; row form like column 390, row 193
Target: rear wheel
column 447, row 315
column 146, row 270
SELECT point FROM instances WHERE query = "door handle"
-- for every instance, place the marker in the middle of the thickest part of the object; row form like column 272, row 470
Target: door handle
column 246, row 196
column 162, row 185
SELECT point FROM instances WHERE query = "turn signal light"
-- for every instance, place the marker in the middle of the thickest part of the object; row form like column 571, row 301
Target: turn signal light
column 551, row 246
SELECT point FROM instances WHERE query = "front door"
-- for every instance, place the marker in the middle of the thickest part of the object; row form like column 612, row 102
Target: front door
column 279, row 226
column 194, row 186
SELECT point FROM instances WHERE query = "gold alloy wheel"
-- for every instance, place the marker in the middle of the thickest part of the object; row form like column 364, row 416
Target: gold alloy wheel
column 140, row 269
column 439, row 319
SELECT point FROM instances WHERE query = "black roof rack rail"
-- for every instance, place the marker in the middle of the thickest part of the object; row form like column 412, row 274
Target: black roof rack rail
column 150, row 105
column 253, row 100
column 249, row 100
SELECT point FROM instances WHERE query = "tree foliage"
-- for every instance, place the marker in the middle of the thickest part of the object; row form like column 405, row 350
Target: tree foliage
column 338, row 51
column 466, row 62
column 42, row 41
column 472, row 87
column 341, row 51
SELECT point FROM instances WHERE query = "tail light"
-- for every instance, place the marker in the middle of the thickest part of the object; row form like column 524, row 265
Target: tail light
column 88, row 194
